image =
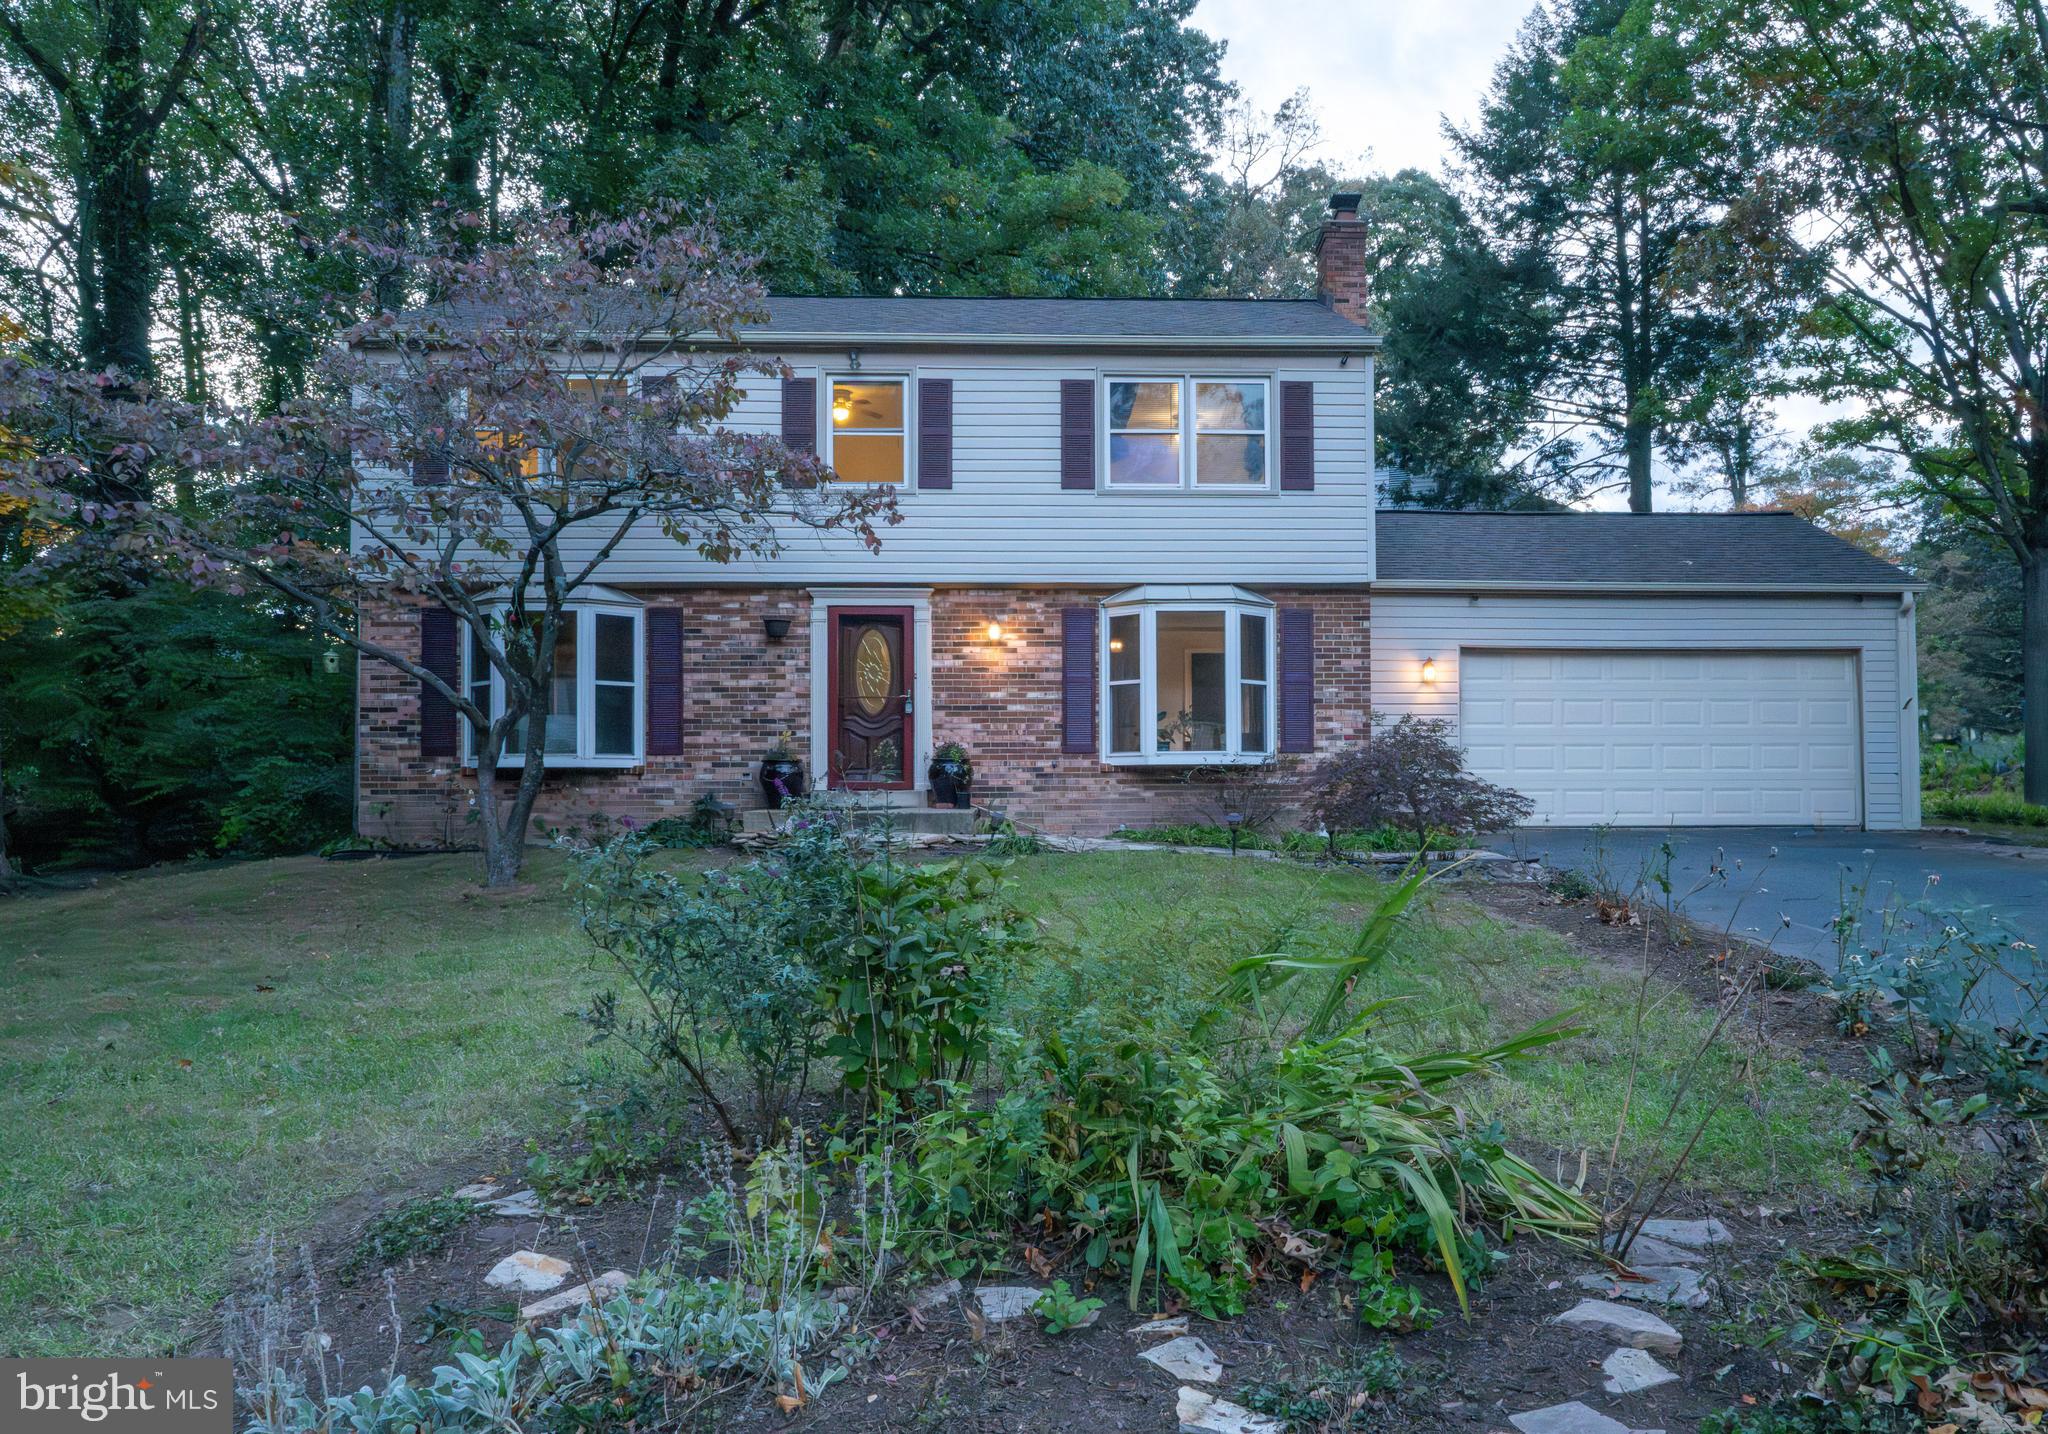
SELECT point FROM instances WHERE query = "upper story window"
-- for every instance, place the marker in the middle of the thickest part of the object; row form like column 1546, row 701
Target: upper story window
column 1208, row 433
column 1187, row 676
column 866, row 437
column 591, row 710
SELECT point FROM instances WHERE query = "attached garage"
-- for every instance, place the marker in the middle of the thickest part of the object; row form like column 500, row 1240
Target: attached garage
column 1659, row 670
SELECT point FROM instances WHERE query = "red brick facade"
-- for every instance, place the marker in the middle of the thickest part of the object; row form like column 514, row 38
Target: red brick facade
column 1000, row 699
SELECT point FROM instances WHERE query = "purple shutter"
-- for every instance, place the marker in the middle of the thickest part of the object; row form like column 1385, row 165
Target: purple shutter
column 1297, row 437
column 1077, row 434
column 438, row 654
column 800, row 414
column 1297, row 679
column 430, row 468
column 935, row 433
column 1077, row 679
column 664, row 683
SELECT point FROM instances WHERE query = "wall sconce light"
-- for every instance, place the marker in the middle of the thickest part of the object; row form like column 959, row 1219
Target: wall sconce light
column 995, row 632
column 1429, row 670
column 777, row 628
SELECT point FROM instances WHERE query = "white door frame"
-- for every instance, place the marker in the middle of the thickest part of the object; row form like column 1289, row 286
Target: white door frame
column 919, row 601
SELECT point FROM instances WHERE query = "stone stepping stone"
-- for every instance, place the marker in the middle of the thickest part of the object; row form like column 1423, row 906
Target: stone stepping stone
column 1693, row 1234
column 481, row 1190
column 529, row 1272
column 1660, row 1285
column 1173, row 1324
column 1630, row 1371
column 1201, row 1412
column 944, row 1292
column 606, row 1286
column 1637, row 1328
column 1186, row 1358
column 1648, row 1251
column 519, row 1205
column 1006, row 1302
column 1572, row 1418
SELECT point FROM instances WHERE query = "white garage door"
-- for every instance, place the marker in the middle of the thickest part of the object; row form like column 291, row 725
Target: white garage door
column 1667, row 738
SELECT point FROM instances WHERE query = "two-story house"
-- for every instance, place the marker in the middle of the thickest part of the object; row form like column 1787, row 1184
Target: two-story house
column 1139, row 541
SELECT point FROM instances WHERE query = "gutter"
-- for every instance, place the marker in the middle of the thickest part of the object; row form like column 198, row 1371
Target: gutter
column 765, row 340
column 1434, row 585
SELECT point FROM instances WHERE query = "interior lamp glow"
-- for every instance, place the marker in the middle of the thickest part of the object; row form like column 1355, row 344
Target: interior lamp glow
column 1429, row 669
column 841, row 410
column 1116, row 644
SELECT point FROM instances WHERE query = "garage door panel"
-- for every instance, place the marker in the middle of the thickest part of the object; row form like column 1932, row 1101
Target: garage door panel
column 1655, row 738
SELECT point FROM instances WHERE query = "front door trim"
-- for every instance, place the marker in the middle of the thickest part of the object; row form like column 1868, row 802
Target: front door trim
column 826, row 601
column 835, row 673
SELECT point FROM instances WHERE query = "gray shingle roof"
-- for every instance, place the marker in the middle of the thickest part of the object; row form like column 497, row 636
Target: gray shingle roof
column 1062, row 318
column 1543, row 550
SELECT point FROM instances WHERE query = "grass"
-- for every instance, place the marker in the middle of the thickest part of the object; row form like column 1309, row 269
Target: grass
column 190, row 1059
column 1298, row 843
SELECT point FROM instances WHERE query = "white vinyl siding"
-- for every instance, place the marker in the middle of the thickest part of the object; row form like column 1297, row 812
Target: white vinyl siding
column 1007, row 520
column 1869, row 634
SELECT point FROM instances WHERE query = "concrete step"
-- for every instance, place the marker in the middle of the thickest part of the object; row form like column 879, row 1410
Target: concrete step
column 908, row 821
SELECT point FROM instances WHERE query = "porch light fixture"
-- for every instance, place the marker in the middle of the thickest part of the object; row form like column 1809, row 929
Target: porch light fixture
column 777, row 628
column 995, row 632
column 1429, row 670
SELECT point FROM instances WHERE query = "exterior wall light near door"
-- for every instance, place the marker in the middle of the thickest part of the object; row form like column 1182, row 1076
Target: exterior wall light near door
column 995, row 632
column 1429, row 671
column 777, row 628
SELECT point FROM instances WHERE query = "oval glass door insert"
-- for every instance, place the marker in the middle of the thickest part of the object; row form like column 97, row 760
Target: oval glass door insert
column 873, row 672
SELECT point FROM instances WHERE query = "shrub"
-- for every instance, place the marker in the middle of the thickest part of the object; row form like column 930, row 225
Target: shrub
column 2001, row 807
column 1409, row 774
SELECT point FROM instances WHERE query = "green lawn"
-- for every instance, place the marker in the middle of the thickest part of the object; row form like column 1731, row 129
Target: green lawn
column 190, row 1059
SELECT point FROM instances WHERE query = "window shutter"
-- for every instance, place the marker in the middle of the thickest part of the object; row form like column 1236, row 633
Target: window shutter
column 664, row 683
column 438, row 654
column 1077, row 679
column 935, row 433
column 430, row 468
column 1077, row 434
column 800, row 414
column 1297, row 437
column 1297, row 679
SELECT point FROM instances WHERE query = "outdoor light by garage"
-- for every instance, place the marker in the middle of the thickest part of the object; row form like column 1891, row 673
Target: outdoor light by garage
column 1429, row 669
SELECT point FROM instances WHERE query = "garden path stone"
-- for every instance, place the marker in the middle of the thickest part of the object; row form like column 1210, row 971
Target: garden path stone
column 520, row 1205
column 1201, row 1412
column 480, row 1190
column 604, row 1287
column 1631, row 1370
column 1648, row 1251
column 1006, row 1302
column 944, row 1292
column 1695, row 1234
column 1186, row 1358
column 1173, row 1324
column 1660, row 1284
column 1572, row 1418
column 529, row 1272
column 1634, row 1327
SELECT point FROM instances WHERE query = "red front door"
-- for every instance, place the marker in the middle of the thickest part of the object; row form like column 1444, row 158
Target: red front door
column 870, row 685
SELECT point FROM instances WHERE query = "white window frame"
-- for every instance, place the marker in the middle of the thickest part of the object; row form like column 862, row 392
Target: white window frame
column 1147, row 603
column 584, row 611
column 902, row 484
column 1190, row 433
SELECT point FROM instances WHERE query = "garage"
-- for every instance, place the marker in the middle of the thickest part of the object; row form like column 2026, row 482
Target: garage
column 1667, row 738
column 1656, row 670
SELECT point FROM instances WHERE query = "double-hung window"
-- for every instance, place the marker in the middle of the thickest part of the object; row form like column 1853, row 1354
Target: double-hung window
column 1187, row 676
column 866, row 437
column 590, row 710
column 1189, row 433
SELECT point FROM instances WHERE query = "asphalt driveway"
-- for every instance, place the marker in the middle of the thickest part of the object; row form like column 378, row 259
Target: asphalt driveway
column 1778, row 874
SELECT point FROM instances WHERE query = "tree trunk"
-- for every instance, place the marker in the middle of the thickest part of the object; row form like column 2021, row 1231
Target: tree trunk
column 2034, row 673
column 1636, row 441
column 391, row 145
column 116, row 186
column 6, row 867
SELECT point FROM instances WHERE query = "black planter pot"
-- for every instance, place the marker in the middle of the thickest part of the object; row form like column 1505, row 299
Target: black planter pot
column 781, row 779
column 952, row 780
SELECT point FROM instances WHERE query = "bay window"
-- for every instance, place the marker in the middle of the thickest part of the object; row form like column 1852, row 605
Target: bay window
column 1187, row 676
column 1187, row 432
column 590, row 709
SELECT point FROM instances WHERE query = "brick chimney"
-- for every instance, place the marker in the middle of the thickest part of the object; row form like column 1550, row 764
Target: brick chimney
column 1340, row 260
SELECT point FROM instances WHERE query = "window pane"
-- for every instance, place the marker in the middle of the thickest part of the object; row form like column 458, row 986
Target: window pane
column 1230, row 458
column 1123, row 717
column 1145, row 459
column 1251, row 639
column 614, row 648
column 614, row 721
column 558, row 703
column 1123, row 647
column 1144, row 405
column 868, row 458
column 1230, row 405
column 1190, row 682
column 1254, row 716
column 858, row 405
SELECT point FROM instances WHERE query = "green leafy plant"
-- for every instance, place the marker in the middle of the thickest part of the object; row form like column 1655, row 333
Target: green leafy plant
column 1345, row 1395
column 1063, row 1310
column 418, row 1227
column 612, row 1147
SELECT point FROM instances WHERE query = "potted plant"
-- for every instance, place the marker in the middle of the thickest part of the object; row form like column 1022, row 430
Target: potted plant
column 952, row 775
column 782, row 774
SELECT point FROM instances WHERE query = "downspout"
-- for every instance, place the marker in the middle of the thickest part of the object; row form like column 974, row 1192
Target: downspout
column 1909, row 713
